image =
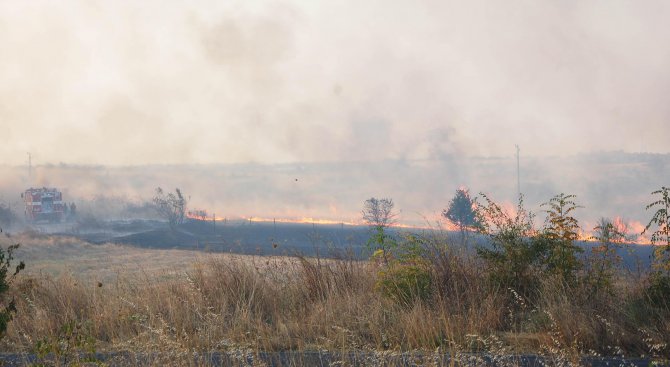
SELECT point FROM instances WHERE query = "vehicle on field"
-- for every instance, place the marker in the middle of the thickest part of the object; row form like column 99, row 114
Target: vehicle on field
column 43, row 204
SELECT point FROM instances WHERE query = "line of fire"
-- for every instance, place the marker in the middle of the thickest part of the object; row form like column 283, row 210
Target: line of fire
column 46, row 205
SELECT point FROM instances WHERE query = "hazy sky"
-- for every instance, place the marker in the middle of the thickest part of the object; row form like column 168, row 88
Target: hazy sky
column 134, row 82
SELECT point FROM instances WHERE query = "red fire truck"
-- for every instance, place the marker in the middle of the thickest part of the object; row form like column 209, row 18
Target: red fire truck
column 43, row 204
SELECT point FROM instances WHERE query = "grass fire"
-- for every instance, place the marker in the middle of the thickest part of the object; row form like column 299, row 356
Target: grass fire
column 335, row 183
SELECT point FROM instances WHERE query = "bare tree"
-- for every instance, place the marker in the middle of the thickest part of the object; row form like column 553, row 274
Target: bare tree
column 171, row 206
column 379, row 214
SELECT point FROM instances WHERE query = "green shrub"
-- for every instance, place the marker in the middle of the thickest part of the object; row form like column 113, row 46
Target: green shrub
column 405, row 283
column 604, row 262
column 559, row 238
column 519, row 255
column 73, row 345
column 514, row 256
column 7, row 307
column 659, row 290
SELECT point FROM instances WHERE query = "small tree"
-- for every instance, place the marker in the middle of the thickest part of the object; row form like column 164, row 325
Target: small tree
column 7, row 307
column 659, row 288
column 378, row 214
column 610, row 236
column 514, row 257
column 661, row 219
column 461, row 213
column 171, row 206
column 560, row 233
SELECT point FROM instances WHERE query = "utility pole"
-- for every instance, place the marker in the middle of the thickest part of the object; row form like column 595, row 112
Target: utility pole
column 30, row 169
column 518, row 175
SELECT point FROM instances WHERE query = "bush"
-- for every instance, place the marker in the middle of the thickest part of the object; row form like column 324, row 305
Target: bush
column 7, row 308
column 514, row 257
column 405, row 283
column 74, row 345
column 559, row 238
column 604, row 262
column 659, row 290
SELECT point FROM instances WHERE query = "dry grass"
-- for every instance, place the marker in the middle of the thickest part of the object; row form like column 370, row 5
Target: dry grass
column 180, row 302
column 58, row 256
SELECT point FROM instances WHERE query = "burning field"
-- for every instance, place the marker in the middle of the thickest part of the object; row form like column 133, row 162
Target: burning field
column 295, row 182
column 123, row 278
column 606, row 184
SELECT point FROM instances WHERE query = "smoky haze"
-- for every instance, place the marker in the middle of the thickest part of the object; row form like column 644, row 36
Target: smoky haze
column 210, row 82
column 607, row 184
column 306, row 109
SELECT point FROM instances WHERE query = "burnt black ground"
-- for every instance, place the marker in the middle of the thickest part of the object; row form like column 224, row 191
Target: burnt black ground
column 242, row 237
column 268, row 238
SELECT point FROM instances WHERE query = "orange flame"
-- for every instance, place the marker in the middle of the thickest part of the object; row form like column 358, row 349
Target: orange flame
column 202, row 215
column 631, row 228
column 303, row 220
column 636, row 228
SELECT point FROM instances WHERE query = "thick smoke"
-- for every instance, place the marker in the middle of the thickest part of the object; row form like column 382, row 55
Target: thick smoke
column 126, row 83
column 300, row 108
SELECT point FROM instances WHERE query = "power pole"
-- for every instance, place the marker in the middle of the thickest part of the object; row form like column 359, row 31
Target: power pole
column 30, row 169
column 518, row 175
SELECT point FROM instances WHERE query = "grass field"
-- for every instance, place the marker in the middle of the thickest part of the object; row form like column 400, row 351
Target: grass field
column 59, row 256
column 75, row 298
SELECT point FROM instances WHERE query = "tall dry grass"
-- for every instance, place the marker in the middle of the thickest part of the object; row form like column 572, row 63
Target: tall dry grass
column 251, row 304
